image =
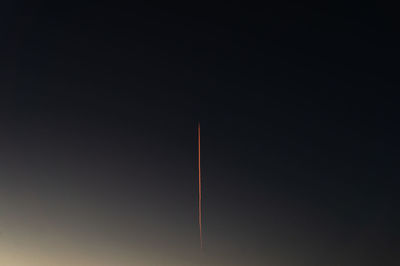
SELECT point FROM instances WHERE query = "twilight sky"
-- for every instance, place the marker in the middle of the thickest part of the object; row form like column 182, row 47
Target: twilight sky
column 299, row 120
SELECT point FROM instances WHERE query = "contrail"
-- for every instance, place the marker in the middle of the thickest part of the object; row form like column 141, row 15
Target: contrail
column 200, row 209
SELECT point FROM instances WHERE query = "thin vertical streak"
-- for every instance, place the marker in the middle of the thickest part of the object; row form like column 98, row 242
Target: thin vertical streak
column 200, row 207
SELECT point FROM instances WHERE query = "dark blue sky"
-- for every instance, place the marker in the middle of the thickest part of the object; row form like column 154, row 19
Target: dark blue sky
column 298, row 109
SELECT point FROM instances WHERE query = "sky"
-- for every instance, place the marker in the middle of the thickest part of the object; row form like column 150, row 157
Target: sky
column 98, row 136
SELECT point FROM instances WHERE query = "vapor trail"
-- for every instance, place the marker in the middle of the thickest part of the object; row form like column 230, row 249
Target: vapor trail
column 200, row 209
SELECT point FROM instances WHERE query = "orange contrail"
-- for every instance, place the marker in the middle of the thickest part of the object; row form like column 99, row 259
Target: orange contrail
column 200, row 210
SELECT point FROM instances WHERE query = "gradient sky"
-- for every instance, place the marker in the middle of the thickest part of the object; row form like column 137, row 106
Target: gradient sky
column 98, row 134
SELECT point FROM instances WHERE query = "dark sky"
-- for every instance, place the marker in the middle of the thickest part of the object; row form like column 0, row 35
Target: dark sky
column 298, row 108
